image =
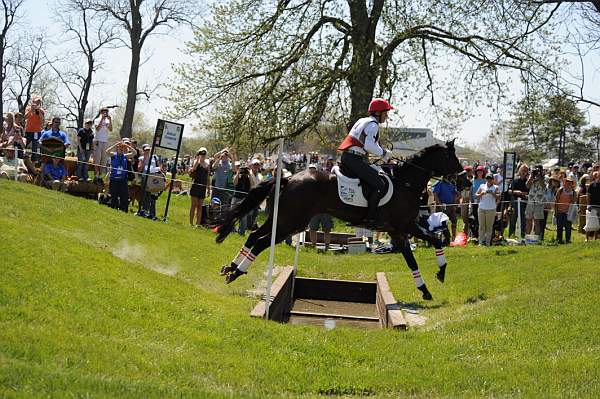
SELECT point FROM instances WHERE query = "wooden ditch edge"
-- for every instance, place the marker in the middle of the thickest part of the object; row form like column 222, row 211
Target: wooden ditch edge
column 281, row 293
column 390, row 314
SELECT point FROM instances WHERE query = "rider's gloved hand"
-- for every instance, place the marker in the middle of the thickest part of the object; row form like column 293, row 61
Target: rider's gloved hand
column 387, row 155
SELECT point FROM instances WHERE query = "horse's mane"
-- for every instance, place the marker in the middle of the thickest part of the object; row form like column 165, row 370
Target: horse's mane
column 425, row 152
column 404, row 168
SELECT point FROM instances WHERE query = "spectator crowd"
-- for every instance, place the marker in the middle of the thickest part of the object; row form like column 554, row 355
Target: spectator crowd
column 536, row 197
column 35, row 149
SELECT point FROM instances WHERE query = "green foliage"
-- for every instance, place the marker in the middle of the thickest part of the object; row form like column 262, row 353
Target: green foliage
column 548, row 126
column 96, row 303
column 593, row 136
column 266, row 69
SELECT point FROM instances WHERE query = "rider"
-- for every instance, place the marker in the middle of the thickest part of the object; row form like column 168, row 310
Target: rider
column 363, row 140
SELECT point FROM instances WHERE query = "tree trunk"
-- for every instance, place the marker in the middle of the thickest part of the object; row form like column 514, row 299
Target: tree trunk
column 362, row 78
column 135, row 36
column 87, row 84
column 126, row 129
column 2, row 44
column 561, row 148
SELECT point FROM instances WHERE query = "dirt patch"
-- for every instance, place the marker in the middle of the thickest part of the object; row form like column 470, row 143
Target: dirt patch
column 135, row 253
column 413, row 316
column 260, row 288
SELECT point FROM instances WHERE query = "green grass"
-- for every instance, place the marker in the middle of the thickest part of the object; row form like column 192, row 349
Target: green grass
column 97, row 303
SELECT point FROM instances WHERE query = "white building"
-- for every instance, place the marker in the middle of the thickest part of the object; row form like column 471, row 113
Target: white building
column 407, row 141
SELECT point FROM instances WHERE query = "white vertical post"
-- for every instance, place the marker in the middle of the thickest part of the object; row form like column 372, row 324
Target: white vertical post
column 300, row 238
column 16, row 162
column 274, row 228
column 296, row 256
column 519, row 217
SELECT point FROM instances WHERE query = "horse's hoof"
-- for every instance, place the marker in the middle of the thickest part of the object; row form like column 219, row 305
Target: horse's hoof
column 426, row 294
column 441, row 274
column 226, row 269
column 231, row 277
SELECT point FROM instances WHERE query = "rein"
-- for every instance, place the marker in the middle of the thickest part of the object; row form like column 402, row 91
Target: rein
column 429, row 172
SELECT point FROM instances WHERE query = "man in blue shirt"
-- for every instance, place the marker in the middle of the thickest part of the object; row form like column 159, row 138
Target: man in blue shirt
column 56, row 132
column 445, row 194
column 54, row 174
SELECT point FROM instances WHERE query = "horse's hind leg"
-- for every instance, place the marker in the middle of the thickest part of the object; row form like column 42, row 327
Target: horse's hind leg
column 265, row 228
column 427, row 236
column 414, row 267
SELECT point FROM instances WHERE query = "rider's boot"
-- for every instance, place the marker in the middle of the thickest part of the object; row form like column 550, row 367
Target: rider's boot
column 373, row 203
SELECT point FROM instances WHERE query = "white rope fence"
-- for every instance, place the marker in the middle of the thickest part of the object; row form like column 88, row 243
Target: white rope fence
column 189, row 183
column 140, row 174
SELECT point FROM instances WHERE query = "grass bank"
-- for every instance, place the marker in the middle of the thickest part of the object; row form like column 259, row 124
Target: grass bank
column 95, row 302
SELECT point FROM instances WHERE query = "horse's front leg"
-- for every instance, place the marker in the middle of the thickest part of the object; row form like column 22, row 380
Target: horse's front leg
column 427, row 236
column 404, row 245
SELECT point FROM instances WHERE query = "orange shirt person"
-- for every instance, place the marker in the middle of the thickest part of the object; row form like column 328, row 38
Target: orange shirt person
column 34, row 121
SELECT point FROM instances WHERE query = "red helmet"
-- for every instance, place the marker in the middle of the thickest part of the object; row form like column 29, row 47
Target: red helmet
column 379, row 105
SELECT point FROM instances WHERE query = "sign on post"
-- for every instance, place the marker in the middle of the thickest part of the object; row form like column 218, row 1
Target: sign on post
column 168, row 135
column 510, row 161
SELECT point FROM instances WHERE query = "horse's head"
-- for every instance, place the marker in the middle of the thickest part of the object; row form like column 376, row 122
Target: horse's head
column 461, row 181
column 440, row 159
column 450, row 163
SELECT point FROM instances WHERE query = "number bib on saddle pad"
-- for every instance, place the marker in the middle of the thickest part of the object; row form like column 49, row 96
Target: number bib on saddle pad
column 350, row 190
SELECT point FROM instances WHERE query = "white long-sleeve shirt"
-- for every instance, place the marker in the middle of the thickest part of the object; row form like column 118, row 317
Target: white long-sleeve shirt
column 366, row 130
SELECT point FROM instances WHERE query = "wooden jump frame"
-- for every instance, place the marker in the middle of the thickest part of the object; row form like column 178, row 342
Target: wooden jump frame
column 378, row 293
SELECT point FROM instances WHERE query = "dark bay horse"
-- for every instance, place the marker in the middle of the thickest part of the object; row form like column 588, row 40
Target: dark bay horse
column 307, row 193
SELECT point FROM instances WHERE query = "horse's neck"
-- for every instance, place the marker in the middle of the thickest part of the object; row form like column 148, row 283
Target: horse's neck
column 412, row 178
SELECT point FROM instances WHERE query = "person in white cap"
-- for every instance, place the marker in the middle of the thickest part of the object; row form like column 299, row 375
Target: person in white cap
column 103, row 126
column 221, row 169
column 255, row 178
column 149, row 200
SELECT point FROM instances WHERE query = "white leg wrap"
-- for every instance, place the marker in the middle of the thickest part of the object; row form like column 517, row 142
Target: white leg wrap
column 440, row 257
column 246, row 262
column 417, row 276
column 243, row 253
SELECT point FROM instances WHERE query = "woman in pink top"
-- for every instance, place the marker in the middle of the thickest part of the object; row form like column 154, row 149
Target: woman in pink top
column 565, row 196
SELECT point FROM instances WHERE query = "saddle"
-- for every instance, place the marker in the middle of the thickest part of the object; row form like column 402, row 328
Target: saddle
column 352, row 192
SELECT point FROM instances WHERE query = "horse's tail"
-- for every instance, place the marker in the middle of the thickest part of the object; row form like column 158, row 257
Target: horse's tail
column 252, row 200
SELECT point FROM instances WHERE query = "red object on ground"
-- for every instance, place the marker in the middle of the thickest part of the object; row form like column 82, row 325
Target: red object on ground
column 460, row 240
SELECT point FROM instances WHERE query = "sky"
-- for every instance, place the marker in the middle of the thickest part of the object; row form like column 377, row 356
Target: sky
column 164, row 50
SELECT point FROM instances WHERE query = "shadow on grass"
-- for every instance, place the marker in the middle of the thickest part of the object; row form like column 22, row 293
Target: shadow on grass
column 421, row 305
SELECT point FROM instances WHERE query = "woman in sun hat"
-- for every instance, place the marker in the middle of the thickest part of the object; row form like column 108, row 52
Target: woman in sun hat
column 199, row 173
